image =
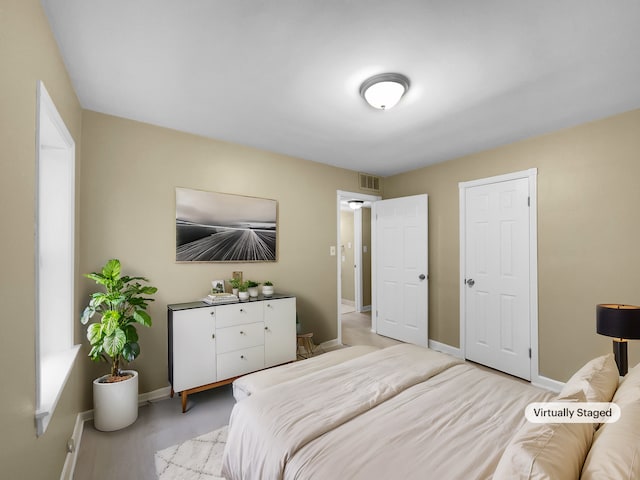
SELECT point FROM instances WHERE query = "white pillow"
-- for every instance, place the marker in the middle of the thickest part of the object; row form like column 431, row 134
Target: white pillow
column 598, row 379
column 554, row 451
column 629, row 390
column 615, row 452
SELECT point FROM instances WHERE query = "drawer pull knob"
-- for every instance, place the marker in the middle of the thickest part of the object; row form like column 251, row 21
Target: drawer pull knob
column 213, row 335
column 266, row 328
column 241, row 356
column 269, row 305
column 241, row 332
column 212, row 313
column 242, row 309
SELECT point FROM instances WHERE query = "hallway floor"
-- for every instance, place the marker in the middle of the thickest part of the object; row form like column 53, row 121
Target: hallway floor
column 356, row 330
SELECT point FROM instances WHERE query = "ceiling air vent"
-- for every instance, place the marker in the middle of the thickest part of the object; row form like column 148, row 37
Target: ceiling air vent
column 369, row 182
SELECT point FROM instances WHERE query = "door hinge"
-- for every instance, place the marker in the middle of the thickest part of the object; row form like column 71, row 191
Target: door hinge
column 529, row 353
column 528, row 201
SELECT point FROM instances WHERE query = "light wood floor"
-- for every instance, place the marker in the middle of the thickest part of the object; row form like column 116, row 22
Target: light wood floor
column 356, row 330
column 128, row 454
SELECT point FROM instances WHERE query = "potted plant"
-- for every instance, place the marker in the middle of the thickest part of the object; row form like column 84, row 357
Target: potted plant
column 253, row 288
column 235, row 285
column 243, row 293
column 267, row 288
column 114, row 339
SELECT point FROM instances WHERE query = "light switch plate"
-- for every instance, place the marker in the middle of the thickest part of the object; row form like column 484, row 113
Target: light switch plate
column 332, row 251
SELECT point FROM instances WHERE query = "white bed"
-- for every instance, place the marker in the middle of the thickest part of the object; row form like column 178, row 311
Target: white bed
column 249, row 384
column 401, row 412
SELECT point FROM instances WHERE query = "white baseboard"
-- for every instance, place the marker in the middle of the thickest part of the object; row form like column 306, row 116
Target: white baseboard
column 351, row 303
column 155, row 395
column 538, row 381
column 547, row 383
column 72, row 457
column 69, row 466
column 444, row 348
column 366, row 308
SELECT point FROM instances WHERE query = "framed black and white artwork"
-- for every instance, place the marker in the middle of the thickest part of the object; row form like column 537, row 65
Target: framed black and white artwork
column 220, row 227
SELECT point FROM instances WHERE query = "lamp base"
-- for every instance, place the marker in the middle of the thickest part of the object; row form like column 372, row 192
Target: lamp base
column 620, row 352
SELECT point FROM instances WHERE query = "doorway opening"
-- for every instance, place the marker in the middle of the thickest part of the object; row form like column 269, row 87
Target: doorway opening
column 353, row 254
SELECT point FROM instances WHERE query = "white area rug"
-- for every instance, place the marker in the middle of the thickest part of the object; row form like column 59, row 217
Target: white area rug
column 197, row 459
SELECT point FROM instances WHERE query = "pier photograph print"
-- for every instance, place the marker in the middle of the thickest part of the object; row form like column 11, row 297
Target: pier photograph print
column 221, row 227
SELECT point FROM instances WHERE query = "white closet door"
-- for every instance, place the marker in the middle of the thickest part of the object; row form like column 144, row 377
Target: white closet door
column 497, row 276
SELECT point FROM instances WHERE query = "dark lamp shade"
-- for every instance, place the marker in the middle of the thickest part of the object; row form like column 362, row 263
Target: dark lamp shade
column 619, row 321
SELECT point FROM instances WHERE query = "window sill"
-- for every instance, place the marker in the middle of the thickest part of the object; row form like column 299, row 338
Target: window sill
column 53, row 374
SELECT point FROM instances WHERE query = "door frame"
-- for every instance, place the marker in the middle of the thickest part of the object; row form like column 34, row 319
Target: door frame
column 532, row 175
column 344, row 195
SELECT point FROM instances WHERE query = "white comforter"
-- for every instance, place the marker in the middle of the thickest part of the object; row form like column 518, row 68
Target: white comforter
column 453, row 426
column 267, row 429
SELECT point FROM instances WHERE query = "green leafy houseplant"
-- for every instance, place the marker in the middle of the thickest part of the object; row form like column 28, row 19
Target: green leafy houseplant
column 123, row 304
column 235, row 282
column 243, row 287
column 268, row 284
column 252, row 284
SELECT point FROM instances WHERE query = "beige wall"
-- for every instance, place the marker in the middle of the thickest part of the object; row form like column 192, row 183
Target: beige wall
column 345, row 250
column 29, row 53
column 130, row 171
column 348, row 272
column 588, row 230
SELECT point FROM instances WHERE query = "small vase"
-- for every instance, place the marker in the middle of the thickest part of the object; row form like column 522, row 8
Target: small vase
column 234, row 291
column 267, row 290
column 253, row 291
column 243, row 295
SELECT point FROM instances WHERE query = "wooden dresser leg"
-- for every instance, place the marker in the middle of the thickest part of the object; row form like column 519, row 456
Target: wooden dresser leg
column 184, row 401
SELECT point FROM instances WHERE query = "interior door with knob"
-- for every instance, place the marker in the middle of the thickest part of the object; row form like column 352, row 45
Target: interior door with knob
column 495, row 289
column 401, row 268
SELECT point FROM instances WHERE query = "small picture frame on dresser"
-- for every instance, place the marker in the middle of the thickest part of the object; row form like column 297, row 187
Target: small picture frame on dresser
column 217, row 286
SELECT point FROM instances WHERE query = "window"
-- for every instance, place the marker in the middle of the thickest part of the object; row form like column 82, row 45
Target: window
column 55, row 257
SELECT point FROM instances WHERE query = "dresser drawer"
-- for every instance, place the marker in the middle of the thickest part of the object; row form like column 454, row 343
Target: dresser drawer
column 239, row 336
column 238, row 314
column 239, row 362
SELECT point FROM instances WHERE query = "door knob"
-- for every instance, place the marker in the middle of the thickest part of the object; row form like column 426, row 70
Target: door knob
column 471, row 282
column 422, row 277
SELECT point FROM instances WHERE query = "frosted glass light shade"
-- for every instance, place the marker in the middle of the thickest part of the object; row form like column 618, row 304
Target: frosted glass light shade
column 384, row 91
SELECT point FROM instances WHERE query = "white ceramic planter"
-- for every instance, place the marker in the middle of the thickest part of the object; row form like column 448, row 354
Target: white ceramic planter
column 253, row 291
column 115, row 405
column 267, row 290
column 234, row 291
column 243, row 295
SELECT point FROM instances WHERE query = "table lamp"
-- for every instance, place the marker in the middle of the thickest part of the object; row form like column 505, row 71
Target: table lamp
column 623, row 323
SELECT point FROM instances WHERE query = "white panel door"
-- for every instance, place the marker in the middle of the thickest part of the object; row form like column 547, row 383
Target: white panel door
column 401, row 268
column 497, row 276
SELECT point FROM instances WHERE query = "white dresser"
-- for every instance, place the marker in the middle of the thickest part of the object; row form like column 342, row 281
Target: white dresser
column 212, row 345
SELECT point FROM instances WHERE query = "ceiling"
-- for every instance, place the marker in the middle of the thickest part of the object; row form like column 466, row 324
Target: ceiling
column 284, row 75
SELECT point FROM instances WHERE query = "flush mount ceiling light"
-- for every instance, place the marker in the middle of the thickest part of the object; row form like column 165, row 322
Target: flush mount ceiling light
column 385, row 90
column 355, row 204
